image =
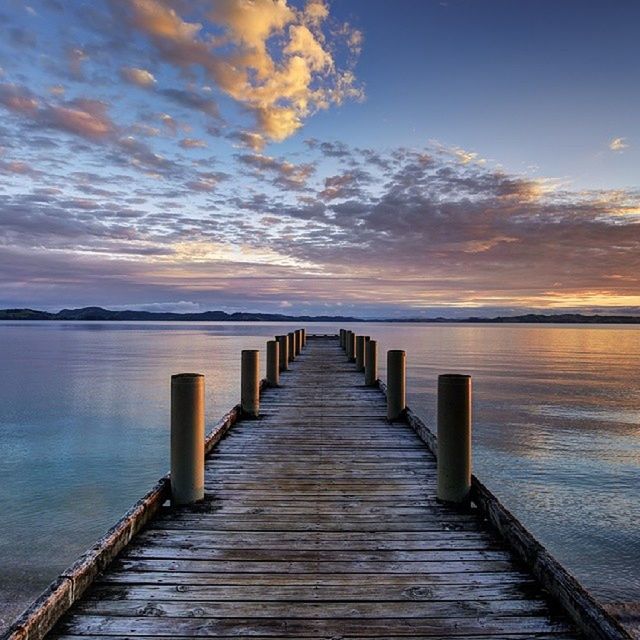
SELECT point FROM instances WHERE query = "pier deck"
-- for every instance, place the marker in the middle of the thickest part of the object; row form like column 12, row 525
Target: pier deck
column 320, row 522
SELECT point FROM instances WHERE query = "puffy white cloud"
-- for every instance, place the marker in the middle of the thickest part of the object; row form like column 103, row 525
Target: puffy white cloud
column 618, row 144
column 139, row 77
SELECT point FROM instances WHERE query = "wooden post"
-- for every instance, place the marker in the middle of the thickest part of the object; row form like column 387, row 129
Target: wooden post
column 273, row 363
column 371, row 363
column 283, row 344
column 292, row 346
column 250, row 383
column 396, row 384
column 341, row 338
column 454, row 438
column 361, row 342
column 351, row 346
column 187, row 438
column 304, row 337
column 298, row 336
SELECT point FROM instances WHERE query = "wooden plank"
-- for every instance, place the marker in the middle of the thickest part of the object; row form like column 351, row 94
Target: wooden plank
column 310, row 610
column 292, row 627
column 316, row 593
column 478, row 578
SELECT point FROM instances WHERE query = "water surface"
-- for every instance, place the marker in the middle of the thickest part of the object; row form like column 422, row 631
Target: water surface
column 84, row 430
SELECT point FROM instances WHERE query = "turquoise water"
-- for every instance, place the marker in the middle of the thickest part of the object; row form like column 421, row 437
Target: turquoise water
column 84, row 428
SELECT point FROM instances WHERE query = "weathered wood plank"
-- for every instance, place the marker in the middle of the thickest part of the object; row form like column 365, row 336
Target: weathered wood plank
column 310, row 610
column 317, row 593
column 292, row 627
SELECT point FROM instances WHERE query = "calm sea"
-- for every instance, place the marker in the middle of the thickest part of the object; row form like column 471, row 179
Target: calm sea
column 84, row 418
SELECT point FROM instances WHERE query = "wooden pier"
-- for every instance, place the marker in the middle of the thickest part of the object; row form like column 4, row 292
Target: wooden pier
column 319, row 521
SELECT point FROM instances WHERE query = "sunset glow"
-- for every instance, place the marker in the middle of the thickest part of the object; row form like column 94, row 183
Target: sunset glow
column 261, row 154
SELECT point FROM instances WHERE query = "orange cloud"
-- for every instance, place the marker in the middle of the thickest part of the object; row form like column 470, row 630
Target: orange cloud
column 272, row 58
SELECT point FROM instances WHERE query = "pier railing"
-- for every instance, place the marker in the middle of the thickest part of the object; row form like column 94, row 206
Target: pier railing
column 451, row 446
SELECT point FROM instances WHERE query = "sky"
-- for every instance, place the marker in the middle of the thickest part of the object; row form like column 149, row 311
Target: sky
column 413, row 158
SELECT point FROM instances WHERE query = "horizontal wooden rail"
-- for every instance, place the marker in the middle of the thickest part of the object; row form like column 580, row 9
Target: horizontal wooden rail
column 586, row 612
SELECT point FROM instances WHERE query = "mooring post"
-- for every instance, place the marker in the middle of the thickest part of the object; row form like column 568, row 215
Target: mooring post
column 187, row 438
column 396, row 383
column 371, row 363
column 250, row 383
column 341, row 336
column 273, row 363
column 283, row 352
column 298, row 334
column 361, row 354
column 304, row 337
column 292, row 346
column 351, row 346
column 454, row 438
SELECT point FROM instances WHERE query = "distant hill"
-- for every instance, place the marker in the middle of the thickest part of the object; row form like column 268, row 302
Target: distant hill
column 100, row 314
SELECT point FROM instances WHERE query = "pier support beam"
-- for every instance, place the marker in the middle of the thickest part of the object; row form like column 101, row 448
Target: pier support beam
column 250, row 383
column 283, row 352
column 454, row 438
column 371, row 363
column 187, row 438
column 273, row 363
column 396, row 384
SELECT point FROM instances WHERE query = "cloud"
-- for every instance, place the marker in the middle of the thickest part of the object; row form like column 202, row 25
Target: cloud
column 618, row 144
column 140, row 77
column 181, row 306
column 76, row 57
column 169, row 122
column 425, row 229
column 335, row 149
column 87, row 119
column 248, row 139
column 206, row 181
column 275, row 60
column 345, row 185
column 285, row 175
column 18, row 99
column 83, row 117
column 192, row 100
column 192, row 143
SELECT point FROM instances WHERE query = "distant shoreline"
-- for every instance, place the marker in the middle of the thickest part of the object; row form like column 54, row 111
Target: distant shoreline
column 98, row 314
